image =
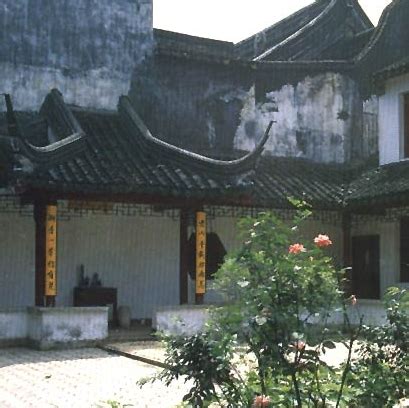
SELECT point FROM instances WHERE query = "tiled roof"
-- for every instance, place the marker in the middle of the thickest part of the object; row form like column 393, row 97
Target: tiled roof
column 313, row 33
column 386, row 185
column 257, row 44
column 100, row 151
column 168, row 42
column 106, row 152
column 277, row 178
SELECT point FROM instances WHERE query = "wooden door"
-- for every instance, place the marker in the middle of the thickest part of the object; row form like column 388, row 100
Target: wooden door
column 365, row 280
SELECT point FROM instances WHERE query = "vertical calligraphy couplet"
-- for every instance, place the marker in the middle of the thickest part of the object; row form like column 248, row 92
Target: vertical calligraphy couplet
column 200, row 253
column 51, row 251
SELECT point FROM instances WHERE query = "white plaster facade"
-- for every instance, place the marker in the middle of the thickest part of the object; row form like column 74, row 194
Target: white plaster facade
column 391, row 120
column 17, row 258
column 137, row 255
column 315, row 119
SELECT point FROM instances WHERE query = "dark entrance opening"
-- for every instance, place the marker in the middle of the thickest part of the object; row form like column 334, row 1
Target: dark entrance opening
column 365, row 282
column 215, row 253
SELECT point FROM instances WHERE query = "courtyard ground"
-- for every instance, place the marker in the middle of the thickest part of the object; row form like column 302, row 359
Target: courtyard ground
column 83, row 378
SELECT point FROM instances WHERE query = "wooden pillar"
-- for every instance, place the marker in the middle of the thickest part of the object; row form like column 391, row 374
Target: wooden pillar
column 200, row 256
column 45, row 253
column 347, row 249
column 183, row 257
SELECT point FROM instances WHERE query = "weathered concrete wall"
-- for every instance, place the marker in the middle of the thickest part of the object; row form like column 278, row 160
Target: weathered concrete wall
column 47, row 328
column 13, row 325
column 17, row 245
column 181, row 320
column 391, row 120
column 86, row 48
column 138, row 255
column 59, row 327
column 192, row 104
column 370, row 138
column 317, row 119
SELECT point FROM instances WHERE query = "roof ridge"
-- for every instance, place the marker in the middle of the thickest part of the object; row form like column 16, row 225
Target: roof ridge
column 281, row 22
column 377, row 34
column 299, row 32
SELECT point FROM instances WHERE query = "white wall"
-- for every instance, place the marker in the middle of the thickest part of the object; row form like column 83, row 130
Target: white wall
column 308, row 123
column 138, row 255
column 17, row 250
column 391, row 120
column 389, row 249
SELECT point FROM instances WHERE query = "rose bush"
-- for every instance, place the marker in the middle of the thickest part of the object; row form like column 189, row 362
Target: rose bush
column 276, row 285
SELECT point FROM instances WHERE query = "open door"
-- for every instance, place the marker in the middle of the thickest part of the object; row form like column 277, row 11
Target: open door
column 365, row 280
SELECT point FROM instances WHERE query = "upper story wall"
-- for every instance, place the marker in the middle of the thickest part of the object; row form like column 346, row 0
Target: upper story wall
column 319, row 118
column 87, row 49
column 219, row 107
column 391, row 120
column 191, row 103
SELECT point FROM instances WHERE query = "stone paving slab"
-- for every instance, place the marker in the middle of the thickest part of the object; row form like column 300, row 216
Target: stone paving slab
column 83, row 378
column 152, row 350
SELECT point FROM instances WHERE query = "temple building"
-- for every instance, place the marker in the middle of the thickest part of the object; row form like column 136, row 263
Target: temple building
column 120, row 144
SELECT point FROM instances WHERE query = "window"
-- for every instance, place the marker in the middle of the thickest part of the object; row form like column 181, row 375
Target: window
column 365, row 280
column 404, row 250
column 406, row 125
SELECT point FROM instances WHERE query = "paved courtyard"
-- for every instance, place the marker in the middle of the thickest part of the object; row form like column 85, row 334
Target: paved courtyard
column 84, row 378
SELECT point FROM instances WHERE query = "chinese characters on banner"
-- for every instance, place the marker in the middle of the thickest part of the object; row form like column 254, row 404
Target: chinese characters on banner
column 200, row 252
column 51, row 251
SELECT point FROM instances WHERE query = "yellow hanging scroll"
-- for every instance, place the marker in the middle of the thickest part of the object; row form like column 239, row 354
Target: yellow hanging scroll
column 51, row 251
column 200, row 252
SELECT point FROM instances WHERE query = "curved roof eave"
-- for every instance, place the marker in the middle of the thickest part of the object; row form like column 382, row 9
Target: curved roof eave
column 366, row 23
column 242, row 164
column 377, row 34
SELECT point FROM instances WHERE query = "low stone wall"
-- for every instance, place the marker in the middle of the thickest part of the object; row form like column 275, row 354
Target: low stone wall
column 13, row 326
column 181, row 320
column 50, row 328
column 190, row 319
column 372, row 312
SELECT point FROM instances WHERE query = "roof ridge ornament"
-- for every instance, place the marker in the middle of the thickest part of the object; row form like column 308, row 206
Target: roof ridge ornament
column 46, row 154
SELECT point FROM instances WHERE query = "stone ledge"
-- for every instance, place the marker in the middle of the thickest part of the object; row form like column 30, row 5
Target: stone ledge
column 54, row 328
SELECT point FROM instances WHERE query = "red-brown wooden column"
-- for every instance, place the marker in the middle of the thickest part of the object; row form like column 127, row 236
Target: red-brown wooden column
column 183, row 257
column 39, row 218
column 347, row 249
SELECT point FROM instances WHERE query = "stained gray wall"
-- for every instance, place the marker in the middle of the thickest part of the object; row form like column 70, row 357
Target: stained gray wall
column 192, row 104
column 210, row 107
column 86, row 48
column 319, row 118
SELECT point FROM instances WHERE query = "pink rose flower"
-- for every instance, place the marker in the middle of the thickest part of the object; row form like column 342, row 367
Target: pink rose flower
column 353, row 300
column 296, row 248
column 261, row 401
column 322, row 241
column 300, row 345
